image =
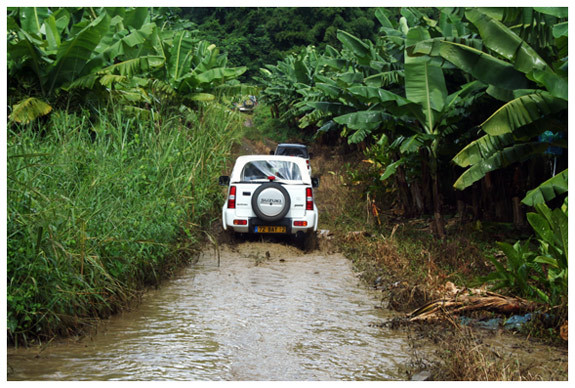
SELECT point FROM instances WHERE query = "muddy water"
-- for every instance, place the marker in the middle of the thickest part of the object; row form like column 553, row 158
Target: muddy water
column 268, row 312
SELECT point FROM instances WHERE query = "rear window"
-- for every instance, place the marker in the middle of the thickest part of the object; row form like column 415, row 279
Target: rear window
column 292, row 151
column 262, row 169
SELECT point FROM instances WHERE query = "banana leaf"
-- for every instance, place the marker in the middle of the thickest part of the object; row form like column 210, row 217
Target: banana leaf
column 179, row 60
column 522, row 111
column 413, row 143
column 29, row 109
column 74, row 54
column 560, row 222
column 355, row 45
column 382, row 18
column 360, row 134
column 349, row 78
column 329, row 90
column 561, row 30
column 88, row 81
column 209, row 57
column 368, row 94
column 135, row 66
column 385, row 78
column 415, row 35
column 32, row 18
column 301, row 72
column 505, row 42
column 327, row 127
column 555, row 84
column 500, row 159
column 482, row 66
column 391, row 169
column 425, row 85
column 547, row 190
column 481, row 148
column 337, row 64
column 220, row 74
column 136, row 17
column 52, row 34
column 558, row 12
column 132, row 45
column 551, row 226
column 362, row 119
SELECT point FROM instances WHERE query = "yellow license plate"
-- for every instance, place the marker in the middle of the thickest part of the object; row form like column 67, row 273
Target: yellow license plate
column 270, row 229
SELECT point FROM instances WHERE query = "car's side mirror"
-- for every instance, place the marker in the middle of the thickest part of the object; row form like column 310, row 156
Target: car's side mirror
column 224, row 180
column 314, row 182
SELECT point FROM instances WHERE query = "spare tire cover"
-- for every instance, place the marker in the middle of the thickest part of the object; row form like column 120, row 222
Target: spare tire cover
column 271, row 202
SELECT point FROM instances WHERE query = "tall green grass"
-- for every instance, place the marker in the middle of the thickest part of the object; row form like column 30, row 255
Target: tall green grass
column 100, row 208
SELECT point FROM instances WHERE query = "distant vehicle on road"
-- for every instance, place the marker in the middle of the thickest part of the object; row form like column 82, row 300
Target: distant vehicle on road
column 293, row 149
column 246, row 105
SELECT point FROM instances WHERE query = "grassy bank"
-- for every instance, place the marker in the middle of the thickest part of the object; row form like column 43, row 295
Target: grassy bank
column 102, row 206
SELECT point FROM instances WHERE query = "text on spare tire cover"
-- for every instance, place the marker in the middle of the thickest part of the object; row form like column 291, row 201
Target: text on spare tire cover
column 271, row 201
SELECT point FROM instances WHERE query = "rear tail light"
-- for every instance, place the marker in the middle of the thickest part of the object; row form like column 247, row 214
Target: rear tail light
column 307, row 162
column 232, row 198
column 240, row 222
column 300, row 223
column 308, row 199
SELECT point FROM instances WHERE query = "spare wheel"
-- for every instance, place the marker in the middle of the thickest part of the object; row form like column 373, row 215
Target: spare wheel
column 271, row 202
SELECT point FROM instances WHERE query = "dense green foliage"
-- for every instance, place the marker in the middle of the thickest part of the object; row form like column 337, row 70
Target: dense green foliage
column 97, row 210
column 254, row 37
column 84, row 56
column 420, row 96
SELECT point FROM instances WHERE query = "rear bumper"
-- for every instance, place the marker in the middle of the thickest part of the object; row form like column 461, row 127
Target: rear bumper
column 228, row 217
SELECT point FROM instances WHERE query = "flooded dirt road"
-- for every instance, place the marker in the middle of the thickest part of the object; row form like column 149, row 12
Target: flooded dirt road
column 268, row 312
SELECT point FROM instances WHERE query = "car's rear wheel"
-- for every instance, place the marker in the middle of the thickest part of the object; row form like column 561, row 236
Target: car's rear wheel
column 271, row 202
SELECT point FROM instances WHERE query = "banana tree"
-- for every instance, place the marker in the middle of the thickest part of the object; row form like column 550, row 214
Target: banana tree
column 360, row 63
column 290, row 84
column 428, row 111
column 534, row 93
column 173, row 63
column 119, row 51
column 39, row 44
column 431, row 106
column 280, row 90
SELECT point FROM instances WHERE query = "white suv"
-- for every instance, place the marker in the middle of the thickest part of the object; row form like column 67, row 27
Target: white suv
column 269, row 194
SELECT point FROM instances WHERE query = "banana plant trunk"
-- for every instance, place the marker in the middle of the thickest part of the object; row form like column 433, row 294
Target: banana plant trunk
column 404, row 190
column 437, row 222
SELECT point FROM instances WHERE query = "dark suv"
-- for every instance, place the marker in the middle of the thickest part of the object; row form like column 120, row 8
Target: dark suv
column 292, row 149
